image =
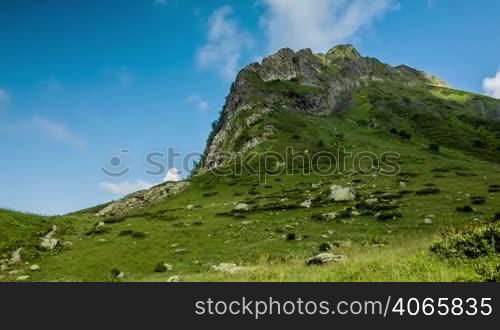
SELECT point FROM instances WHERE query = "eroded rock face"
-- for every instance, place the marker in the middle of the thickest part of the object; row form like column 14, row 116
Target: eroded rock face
column 144, row 198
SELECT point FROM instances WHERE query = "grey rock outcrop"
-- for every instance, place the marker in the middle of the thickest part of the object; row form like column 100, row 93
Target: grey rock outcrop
column 144, row 198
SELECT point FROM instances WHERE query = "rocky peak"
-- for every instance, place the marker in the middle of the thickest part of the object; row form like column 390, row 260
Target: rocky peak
column 319, row 84
column 344, row 51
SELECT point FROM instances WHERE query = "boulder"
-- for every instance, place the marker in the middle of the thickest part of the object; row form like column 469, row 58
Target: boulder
column 22, row 278
column 342, row 194
column 48, row 242
column 330, row 216
column 35, row 268
column 242, row 207
column 324, row 258
column 16, row 257
column 230, row 268
column 306, row 204
column 174, row 279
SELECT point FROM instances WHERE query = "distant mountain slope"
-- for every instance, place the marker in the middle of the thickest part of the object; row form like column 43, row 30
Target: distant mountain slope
column 342, row 81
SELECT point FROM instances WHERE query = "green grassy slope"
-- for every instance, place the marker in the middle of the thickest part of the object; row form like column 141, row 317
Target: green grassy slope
column 193, row 238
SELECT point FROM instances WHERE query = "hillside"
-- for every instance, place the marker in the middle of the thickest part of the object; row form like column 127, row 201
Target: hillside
column 414, row 194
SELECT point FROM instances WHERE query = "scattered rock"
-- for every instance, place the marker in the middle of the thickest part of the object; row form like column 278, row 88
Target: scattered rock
column 427, row 221
column 307, row 204
column 35, row 268
column 16, row 256
column 324, row 258
column 242, row 207
column 174, row 279
column 144, row 198
column 330, row 216
column 190, row 207
column 230, row 268
column 342, row 194
column 50, row 243
column 22, row 278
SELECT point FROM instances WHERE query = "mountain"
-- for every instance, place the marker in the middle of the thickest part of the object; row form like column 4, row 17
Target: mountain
column 366, row 90
column 374, row 172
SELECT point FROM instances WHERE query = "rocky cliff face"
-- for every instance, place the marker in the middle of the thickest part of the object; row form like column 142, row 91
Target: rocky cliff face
column 319, row 84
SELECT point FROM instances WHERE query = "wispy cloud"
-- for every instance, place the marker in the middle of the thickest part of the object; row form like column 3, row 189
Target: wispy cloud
column 491, row 85
column 58, row 132
column 198, row 102
column 4, row 99
column 123, row 188
column 318, row 24
column 225, row 43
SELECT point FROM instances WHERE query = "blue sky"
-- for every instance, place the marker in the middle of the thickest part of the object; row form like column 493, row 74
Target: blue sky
column 82, row 80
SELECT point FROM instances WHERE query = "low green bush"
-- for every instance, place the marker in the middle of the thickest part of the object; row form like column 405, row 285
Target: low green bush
column 474, row 242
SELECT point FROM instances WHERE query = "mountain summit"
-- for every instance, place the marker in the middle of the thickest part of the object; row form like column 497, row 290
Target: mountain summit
column 342, row 81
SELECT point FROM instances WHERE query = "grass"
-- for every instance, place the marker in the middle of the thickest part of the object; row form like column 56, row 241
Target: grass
column 191, row 240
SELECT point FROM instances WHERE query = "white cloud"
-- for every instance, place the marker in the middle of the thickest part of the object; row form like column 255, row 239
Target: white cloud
column 172, row 175
column 58, row 132
column 318, row 24
column 4, row 99
column 491, row 86
column 225, row 43
column 199, row 102
column 123, row 188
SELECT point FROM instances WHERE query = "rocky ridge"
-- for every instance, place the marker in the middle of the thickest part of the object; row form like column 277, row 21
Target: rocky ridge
column 319, row 84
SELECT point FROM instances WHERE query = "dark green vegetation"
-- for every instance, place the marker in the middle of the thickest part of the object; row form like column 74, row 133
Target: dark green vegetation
column 434, row 219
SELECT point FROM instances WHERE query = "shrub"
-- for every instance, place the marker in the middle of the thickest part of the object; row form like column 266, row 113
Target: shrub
column 325, row 247
column 405, row 135
column 465, row 209
column 473, row 242
column 387, row 216
column 160, row 268
column 296, row 137
column 496, row 217
column 434, row 147
column 479, row 144
column 291, row 237
column 393, row 131
column 428, row 191
column 488, row 273
column 115, row 272
column 321, row 144
column 138, row 234
column 477, row 200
